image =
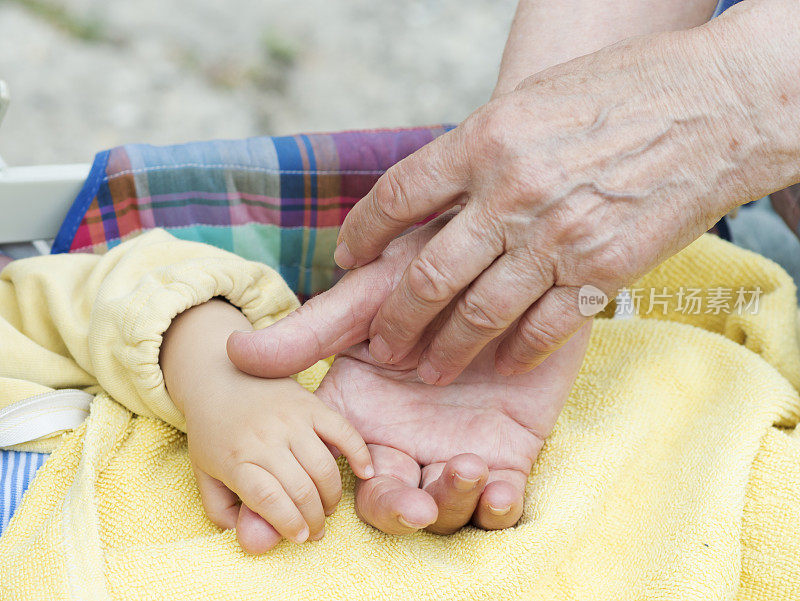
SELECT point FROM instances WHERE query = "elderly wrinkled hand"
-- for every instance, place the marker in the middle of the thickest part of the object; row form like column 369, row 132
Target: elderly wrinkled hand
column 589, row 173
column 444, row 457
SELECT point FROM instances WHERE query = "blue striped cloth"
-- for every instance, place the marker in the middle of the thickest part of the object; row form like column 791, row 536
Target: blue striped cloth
column 18, row 469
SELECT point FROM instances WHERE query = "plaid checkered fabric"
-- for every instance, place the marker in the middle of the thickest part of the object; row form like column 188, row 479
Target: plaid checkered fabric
column 276, row 200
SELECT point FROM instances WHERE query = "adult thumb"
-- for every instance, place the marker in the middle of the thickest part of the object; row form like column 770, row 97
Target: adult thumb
column 327, row 324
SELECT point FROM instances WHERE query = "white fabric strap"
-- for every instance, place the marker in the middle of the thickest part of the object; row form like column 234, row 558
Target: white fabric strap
column 43, row 415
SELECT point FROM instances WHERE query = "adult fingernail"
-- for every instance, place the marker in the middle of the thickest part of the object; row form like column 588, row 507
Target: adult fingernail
column 302, row 536
column 407, row 524
column 428, row 374
column 343, row 257
column 379, row 350
column 464, row 484
column 498, row 510
column 369, row 472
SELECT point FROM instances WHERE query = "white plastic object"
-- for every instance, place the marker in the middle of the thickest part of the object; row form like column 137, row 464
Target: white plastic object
column 34, row 200
column 43, row 415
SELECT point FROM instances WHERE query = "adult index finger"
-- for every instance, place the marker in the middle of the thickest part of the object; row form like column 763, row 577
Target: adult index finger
column 426, row 182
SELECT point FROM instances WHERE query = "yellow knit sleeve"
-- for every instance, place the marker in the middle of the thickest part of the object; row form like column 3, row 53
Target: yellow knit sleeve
column 107, row 314
column 44, row 317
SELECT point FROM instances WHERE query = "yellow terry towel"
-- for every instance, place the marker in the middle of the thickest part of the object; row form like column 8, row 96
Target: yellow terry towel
column 673, row 473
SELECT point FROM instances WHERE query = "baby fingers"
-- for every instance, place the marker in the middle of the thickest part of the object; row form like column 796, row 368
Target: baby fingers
column 321, row 467
column 337, row 431
column 279, row 492
column 301, row 488
column 220, row 504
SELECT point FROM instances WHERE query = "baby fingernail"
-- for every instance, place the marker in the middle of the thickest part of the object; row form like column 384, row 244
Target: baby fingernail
column 343, row 257
column 428, row 374
column 369, row 472
column 379, row 350
column 464, row 484
column 318, row 536
column 498, row 510
column 302, row 536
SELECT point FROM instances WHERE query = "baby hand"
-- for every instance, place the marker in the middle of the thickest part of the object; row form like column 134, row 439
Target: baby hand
column 265, row 441
column 259, row 441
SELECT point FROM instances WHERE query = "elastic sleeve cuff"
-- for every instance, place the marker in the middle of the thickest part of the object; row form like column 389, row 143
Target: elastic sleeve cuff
column 127, row 329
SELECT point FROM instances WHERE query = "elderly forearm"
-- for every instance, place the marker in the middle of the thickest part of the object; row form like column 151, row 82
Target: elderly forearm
column 545, row 33
column 756, row 46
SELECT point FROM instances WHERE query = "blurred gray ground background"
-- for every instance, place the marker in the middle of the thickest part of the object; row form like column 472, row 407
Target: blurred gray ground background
column 86, row 75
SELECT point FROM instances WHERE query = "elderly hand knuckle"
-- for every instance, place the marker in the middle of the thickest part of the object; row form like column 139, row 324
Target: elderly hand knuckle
column 393, row 327
column 478, row 316
column 369, row 500
column 394, row 203
column 428, row 282
column 496, row 125
column 537, row 337
column 615, row 262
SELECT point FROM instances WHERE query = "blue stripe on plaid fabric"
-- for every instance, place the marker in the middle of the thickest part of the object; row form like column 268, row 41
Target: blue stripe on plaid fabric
column 79, row 207
column 277, row 200
column 17, row 470
column 311, row 213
